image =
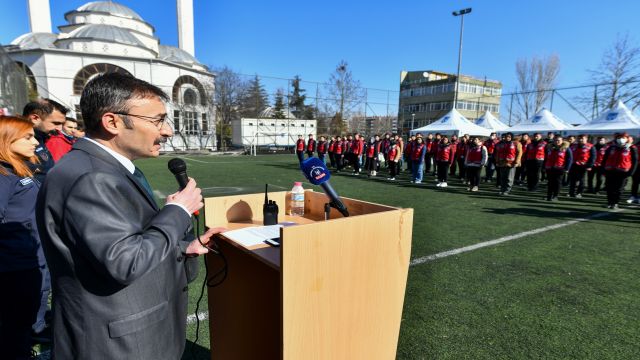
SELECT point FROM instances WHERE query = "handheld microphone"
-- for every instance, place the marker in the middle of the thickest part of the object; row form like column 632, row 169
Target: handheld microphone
column 179, row 169
column 317, row 173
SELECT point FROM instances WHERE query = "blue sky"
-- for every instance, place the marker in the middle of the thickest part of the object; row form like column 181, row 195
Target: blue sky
column 380, row 38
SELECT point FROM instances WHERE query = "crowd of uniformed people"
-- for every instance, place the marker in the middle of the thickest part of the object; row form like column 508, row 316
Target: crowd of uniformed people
column 581, row 164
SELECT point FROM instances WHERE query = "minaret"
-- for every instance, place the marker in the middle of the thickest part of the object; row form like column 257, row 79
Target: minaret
column 185, row 26
column 39, row 15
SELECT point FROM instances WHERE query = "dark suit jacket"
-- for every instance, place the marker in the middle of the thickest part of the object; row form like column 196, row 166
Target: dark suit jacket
column 116, row 260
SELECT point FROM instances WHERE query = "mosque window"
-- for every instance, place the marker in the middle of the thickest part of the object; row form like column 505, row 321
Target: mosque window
column 88, row 72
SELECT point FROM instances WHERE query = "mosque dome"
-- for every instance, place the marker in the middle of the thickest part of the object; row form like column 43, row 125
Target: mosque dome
column 35, row 41
column 177, row 55
column 111, row 8
column 105, row 32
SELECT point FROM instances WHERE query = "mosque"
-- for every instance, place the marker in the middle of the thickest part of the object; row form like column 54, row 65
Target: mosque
column 105, row 36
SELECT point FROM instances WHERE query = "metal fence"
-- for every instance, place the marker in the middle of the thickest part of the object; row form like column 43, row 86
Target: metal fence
column 365, row 109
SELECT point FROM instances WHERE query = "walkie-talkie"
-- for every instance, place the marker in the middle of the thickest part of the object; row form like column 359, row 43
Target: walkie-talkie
column 269, row 209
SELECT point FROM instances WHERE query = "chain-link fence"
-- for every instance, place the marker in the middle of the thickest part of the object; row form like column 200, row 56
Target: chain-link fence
column 365, row 110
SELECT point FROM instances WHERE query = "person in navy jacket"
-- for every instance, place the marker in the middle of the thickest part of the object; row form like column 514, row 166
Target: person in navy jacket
column 21, row 255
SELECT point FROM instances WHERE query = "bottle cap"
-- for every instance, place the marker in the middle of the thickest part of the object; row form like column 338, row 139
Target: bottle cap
column 297, row 183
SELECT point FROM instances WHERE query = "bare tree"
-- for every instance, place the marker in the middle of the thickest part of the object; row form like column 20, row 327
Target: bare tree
column 536, row 77
column 618, row 75
column 229, row 91
column 345, row 94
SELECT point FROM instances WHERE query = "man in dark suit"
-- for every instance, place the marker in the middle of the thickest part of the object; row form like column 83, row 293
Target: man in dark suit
column 117, row 261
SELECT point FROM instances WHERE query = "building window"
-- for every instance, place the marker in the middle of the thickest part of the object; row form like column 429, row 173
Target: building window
column 176, row 121
column 190, row 97
column 191, row 123
column 205, row 124
column 250, row 124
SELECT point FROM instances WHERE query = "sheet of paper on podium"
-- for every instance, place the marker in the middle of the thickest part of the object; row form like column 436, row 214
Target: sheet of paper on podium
column 251, row 236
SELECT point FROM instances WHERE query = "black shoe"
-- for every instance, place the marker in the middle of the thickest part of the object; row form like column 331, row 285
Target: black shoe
column 43, row 337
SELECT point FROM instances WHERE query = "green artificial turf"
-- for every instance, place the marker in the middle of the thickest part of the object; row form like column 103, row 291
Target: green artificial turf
column 565, row 293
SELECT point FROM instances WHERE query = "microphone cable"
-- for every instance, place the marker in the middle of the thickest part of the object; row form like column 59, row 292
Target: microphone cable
column 222, row 273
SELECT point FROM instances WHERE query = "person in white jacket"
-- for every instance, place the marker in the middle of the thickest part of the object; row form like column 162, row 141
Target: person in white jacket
column 476, row 158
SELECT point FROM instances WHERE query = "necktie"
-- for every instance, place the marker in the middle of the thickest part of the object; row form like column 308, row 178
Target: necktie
column 143, row 181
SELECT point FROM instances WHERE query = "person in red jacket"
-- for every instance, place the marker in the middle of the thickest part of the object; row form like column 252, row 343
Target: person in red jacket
column 597, row 171
column 454, row 165
column 444, row 159
column 584, row 156
column 407, row 151
column 434, row 152
column 357, row 148
column 394, row 156
column 475, row 159
column 379, row 152
column 339, row 153
column 508, row 157
column 331, row 150
column 557, row 163
column 549, row 141
column 635, row 181
column 416, row 157
column 620, row 161
column 490, row 144
column 322, row 148
column 521, row 172
column 311, row 146
column 428, row 156
column 300, row 147
column 461, row 152
column 371, row 154
column 62, row 142
column 534, row 159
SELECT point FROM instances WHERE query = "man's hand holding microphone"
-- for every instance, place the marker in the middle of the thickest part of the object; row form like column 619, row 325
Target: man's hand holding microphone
column 190, row 199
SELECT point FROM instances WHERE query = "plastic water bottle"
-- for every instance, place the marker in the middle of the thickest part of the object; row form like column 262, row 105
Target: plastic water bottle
column 297, row 199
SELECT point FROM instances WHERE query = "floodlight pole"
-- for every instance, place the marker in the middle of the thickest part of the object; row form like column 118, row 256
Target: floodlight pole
column 460, row 13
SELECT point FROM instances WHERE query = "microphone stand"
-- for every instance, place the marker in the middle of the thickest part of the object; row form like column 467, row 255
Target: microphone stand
column 327, row 210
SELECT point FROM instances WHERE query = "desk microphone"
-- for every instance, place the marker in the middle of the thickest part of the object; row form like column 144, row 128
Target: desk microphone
column 317, row 173
column 179, row 169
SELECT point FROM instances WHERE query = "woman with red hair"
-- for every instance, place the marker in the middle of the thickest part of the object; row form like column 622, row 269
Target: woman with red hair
column 19, row 241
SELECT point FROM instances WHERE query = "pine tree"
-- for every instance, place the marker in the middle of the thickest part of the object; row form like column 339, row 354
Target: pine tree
column 297, row 99
column 254, row 100
column 278, row 108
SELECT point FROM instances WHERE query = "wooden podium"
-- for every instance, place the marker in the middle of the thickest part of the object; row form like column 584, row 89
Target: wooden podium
column 333, row 290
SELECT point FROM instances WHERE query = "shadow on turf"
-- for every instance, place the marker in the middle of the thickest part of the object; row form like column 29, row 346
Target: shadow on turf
column 195, row 353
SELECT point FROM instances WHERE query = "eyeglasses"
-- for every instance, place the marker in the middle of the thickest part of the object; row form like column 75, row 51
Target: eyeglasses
column 157, row 121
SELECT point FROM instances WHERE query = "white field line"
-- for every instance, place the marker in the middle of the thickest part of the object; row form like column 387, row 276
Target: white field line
column 159, row 194
column 191, row 319
column 461, row 250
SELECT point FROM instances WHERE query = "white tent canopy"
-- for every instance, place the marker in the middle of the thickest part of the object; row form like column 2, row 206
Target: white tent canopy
column 617, row 119
column 488, row 121
column 543, row 121
column 453, row 124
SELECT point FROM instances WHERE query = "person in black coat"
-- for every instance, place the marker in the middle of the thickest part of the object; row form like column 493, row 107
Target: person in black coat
column 120, row 264
column 20, row 250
